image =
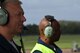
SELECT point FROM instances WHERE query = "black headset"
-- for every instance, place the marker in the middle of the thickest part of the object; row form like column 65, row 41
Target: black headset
column 49, row 30
column 3, row 14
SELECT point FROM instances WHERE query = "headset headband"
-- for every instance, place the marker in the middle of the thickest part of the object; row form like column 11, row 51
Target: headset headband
column 49, row 18
column 1, row 1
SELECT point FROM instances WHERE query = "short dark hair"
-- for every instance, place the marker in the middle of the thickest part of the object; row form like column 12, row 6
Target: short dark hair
column 4, row 2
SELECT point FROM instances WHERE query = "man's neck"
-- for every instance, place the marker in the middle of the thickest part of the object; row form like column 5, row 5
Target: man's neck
column 6, row 34
column 44, row 39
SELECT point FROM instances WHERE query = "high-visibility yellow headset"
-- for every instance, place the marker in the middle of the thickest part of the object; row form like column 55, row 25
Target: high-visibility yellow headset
column 3, row 14
column 49, row 30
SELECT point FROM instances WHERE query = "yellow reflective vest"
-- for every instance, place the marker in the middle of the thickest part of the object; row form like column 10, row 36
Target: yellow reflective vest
column 42, row 48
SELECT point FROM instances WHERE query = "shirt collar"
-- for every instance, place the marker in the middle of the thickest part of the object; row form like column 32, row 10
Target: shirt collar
column 53, row 47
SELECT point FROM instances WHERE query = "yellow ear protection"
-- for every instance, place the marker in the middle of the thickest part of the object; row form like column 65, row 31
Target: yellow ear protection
column 3, row 14
column 48, row 31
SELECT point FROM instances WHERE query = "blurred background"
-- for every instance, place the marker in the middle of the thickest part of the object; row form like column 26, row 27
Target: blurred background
column 67, row 12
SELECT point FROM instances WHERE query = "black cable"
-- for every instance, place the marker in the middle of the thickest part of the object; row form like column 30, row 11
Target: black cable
column 22, row 45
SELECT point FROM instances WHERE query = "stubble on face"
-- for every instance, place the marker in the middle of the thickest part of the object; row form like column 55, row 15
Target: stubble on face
column 15, row 18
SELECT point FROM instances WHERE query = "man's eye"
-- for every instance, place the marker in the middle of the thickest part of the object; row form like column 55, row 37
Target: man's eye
column 19, row 14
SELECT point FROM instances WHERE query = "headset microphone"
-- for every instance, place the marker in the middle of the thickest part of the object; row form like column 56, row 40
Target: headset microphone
column 21, row 40
column 22, row 45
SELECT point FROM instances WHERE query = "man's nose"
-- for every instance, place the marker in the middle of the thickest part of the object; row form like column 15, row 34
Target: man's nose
column 24, row 19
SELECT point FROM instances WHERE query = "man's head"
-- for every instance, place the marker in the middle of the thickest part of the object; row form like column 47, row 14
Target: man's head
column 49, row 28
column 15, row 18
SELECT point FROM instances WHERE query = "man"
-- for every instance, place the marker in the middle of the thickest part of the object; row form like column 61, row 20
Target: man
column 49, row 33
column 11, row 23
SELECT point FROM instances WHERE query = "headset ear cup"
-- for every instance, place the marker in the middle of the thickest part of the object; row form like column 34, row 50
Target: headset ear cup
column 3, row 16
column 48, row 31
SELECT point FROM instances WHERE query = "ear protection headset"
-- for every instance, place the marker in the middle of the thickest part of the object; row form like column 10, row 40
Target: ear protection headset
column 48, row 31
column 3, row 14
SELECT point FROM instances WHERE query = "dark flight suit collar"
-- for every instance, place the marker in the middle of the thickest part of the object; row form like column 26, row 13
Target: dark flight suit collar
column 7, row 46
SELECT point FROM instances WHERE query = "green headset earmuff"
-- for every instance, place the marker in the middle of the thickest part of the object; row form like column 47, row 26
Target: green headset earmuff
column 48, row 31
column 3, row 14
